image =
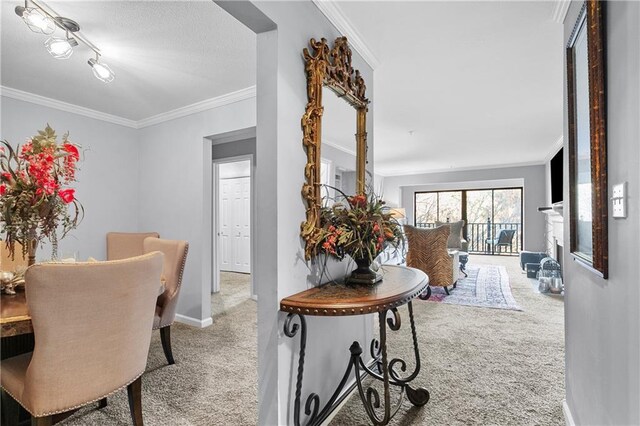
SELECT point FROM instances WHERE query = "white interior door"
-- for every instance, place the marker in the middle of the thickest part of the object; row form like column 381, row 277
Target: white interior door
column 235, row 220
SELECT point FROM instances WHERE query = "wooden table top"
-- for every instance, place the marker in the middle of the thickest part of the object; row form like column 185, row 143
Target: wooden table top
column 14, row 318
column 400, row 284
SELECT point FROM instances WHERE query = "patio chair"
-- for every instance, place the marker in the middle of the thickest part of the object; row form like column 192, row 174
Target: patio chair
column 503, row 239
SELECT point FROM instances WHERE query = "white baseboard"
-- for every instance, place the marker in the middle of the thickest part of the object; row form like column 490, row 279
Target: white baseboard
column 193, row 321
column 568, row 418
column 337, row 409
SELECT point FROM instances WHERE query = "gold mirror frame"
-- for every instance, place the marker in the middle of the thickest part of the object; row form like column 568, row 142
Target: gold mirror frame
column 331, row 68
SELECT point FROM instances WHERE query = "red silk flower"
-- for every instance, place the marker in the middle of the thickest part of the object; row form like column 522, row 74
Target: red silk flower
column 67, row 195
column 72, row 150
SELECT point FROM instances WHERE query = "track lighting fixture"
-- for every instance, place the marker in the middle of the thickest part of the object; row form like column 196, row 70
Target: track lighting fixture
column 36, row 20
column 101, row 70
column 60, row 48
column 42, row 19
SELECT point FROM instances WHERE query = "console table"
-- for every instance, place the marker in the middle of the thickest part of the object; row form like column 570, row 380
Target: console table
column 400, row 285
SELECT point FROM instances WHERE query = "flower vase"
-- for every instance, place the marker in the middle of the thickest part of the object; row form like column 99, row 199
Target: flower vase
column 363, row 273
column 32, row 245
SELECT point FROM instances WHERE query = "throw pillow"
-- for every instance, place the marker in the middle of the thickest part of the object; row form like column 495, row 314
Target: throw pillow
column 455, row 237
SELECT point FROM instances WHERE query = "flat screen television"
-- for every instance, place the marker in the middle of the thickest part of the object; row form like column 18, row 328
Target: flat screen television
column 556, row 177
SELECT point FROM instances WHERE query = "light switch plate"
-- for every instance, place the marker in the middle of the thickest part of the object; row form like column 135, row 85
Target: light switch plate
column 619, row 200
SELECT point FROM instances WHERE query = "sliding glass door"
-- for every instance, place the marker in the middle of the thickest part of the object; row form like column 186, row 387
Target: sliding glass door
column 493, row 216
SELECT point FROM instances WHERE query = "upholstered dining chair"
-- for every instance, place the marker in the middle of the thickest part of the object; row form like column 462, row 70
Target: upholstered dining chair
column 175, row 256
column 92, row 325
column 121, row 245
column 428, row 252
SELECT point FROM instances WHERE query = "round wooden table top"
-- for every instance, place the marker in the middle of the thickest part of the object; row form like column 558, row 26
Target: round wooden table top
column 400, row 284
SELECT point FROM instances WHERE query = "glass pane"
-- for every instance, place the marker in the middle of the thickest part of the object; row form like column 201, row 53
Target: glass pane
column 478, row 216
column 583, row 161
column 450, row 206
column 426, row 209
column 507, row 214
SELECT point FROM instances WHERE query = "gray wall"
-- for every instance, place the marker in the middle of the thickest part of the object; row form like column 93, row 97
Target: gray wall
column 175, row 173
column 400, row 191
column 108, row 178
column 602, row 320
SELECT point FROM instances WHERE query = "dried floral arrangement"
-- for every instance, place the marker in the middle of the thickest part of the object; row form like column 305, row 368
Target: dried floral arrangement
column 360, row 226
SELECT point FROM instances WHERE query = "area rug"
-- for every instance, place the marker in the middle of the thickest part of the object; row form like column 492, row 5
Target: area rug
column 486, row 286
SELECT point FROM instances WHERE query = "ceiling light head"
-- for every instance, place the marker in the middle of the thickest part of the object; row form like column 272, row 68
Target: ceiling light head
column 36, row 20
column 101, row 71
column 60, row 48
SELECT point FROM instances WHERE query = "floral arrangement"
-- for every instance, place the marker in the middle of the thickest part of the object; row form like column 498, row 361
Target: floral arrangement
column 35, row 192
column 361, row 228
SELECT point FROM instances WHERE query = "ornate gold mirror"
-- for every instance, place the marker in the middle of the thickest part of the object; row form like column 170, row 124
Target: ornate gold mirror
column 332, row 79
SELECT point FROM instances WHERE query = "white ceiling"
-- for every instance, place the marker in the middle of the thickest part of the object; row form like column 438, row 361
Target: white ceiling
column 478, row 83
column 165, row 54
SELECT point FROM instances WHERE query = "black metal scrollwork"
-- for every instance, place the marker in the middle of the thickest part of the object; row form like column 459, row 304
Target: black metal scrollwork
column 387, row 373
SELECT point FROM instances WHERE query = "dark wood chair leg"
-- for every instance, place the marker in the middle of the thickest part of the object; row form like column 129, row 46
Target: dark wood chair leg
column 165, row 337
column 42, row 421
column 134, row 390
column 10, row 409
column 102, row 403
column 446, row 290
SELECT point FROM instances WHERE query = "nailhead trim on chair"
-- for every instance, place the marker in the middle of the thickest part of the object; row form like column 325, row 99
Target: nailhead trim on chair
column 184, row 262
column 76, row 406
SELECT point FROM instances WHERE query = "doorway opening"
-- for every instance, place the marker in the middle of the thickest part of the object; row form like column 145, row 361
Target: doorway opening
column 232, row 282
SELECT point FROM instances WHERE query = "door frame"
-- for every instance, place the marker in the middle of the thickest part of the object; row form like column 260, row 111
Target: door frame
column 215, row 213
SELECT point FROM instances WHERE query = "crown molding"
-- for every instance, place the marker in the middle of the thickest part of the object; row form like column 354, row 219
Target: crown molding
column 560, row 10
column 460, row 169
column 64, row 106
column 218, row 101
column 554, row 149
column 336, row 16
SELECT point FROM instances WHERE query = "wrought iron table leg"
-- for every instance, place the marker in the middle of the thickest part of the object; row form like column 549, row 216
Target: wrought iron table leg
column 418, row 396
column 386, row 373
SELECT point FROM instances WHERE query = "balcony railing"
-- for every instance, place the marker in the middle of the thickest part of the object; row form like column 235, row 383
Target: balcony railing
column 478, row 234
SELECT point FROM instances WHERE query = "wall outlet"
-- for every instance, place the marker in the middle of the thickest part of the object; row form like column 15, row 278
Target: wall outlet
column 619, row 200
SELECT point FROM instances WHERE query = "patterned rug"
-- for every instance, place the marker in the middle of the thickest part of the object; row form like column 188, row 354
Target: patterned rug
column 487, row 286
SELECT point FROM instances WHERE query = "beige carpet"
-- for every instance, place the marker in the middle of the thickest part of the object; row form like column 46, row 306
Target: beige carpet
column 483, row 366
column 235, row 288
column 214, row 380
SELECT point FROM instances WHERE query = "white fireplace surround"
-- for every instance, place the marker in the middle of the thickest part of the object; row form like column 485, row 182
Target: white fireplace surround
column 555, row 232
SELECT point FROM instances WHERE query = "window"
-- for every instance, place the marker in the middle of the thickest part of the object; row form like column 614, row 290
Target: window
column 486, row 213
